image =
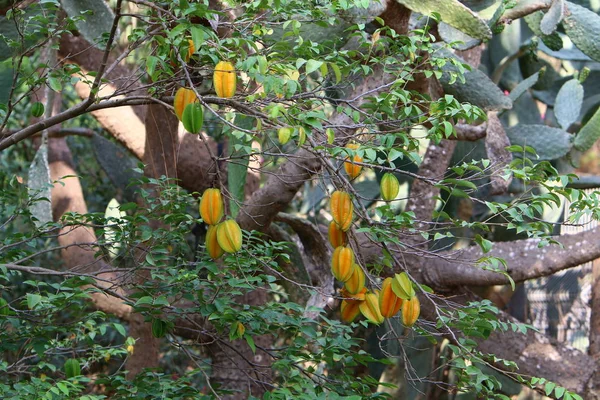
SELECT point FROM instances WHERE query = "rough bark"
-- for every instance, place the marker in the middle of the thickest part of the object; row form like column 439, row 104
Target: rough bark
column 236, row 367
column 67, row 196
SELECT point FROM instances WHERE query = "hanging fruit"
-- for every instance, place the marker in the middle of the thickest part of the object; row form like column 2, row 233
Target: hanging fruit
column 212, row 245
column 337, row 237
column 183, row 97
column 72, row 368
column 389, row 303
column 211, row 206
column 389, row 187
column 342, row 263
column 193, row 118
column 224, row 79
column 349, row 310
column 410, row 311
column 191, row 50
column 159, row 328
column 342, row 209
column 403, row 287
column 229, row 236
column 351, row 168
column 356, row 283
column 284, row 134
column 370, row 309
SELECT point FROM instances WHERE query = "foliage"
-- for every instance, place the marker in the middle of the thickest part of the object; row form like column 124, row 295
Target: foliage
column 299, row 66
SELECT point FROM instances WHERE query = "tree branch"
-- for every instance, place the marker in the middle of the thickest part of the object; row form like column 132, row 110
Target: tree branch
column 524, row 260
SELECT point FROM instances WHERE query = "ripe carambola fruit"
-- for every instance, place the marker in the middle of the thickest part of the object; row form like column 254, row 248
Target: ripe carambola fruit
column 212, row 244
column 356, row 283
column 410, row 311
column 72, row 368
column 342, row 209
column 193, row 118
column 211, row 206
column 337, row 237
column 389, row 187
column 370, row 308
column 342, row 263
column 183, row 97
column 389, row 303
column 352, row 169
column 229, row 236
column 350, row 310
column 224, row 79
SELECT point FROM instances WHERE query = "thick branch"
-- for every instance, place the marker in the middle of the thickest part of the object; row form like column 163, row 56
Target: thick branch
column 524, row 260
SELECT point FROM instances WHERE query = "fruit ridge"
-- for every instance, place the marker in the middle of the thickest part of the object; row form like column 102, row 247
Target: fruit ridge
column 211, row 206
column 224, row 79
column 229, row 236
column 342, row 209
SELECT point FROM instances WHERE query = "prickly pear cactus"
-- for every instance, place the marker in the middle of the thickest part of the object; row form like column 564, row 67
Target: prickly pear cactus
column 454, row 14
column 478, row 88
column 588, row 135
column 567, row 106
column 549, row 143
column 583, row 28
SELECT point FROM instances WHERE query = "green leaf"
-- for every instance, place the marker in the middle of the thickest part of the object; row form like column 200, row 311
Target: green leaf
column 145, row 300
column 590, row 132
column 151, row 62
column 485, row 244
column 583, row 28
column 33, row 299
column 92, row 26
column 454, row 14
column 39, row 187
column 330, row 135
column 55, row 83
column 549, row 387
column 120, row 329
column 559, row 392
column 336, row 71
column 63, row 388
column 197, row 36
column 250, row 342
column 549, row 143
column 312, row 66
column 568, row 103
